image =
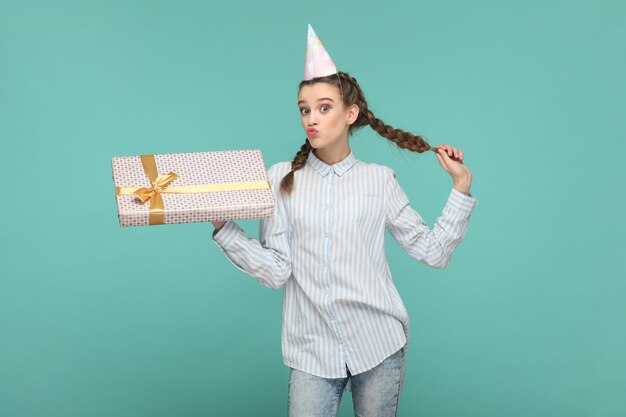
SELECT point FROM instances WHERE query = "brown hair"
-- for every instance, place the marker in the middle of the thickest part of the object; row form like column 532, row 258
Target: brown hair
column 351, row 94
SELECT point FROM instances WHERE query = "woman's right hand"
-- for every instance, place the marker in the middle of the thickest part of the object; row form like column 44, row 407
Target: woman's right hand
column 218, row 225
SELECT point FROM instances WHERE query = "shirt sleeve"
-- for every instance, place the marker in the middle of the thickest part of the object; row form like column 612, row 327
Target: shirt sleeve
column 268, row 258
column 432, row 247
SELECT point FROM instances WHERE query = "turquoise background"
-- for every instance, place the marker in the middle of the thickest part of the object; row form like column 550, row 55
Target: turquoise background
column 98, row 320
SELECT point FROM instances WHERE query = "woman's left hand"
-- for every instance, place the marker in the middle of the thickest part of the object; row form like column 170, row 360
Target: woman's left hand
column 451, row 159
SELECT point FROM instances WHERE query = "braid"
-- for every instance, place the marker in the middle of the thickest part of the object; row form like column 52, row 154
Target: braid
column 402, row 139
column 286, row 184
column 351, row 93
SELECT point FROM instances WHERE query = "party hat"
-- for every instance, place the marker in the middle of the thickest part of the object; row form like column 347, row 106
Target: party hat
column 317, row 62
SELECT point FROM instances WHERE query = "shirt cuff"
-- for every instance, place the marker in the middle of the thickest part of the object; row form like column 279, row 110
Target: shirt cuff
column 227, row 234
column 461, row 202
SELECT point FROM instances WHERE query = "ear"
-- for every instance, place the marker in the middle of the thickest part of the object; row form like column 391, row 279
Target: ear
column 352, row 113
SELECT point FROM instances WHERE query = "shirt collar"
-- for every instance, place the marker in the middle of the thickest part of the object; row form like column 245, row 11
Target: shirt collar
column 323, row 168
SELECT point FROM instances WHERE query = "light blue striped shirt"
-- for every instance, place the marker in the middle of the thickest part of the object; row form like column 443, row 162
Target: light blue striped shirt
column 326, row 244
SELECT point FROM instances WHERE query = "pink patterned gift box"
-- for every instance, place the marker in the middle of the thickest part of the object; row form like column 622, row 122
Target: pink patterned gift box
column 236, row 179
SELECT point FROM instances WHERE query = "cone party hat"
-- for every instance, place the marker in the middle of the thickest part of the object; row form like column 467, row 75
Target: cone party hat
column 317, row 62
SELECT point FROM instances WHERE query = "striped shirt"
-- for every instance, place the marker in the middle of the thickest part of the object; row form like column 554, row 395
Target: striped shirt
column 325, row 244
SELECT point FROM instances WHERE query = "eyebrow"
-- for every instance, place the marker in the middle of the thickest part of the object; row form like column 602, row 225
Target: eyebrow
column 319, row 99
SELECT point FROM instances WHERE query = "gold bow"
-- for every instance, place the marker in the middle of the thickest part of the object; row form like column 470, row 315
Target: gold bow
column 161, row 184
column 158, row 186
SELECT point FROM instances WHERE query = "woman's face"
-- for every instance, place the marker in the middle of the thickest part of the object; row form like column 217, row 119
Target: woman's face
column 324, row 117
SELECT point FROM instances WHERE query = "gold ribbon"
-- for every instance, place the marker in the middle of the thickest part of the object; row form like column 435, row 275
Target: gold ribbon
column 160, row 184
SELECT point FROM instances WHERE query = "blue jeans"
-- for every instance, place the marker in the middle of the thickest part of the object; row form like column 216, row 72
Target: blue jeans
column 374, row 393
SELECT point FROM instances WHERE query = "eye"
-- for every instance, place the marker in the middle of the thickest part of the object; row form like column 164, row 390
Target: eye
column 303, row 110
column 325, row 107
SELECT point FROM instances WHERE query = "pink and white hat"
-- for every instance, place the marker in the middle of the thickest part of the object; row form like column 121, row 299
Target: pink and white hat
column 317, row 62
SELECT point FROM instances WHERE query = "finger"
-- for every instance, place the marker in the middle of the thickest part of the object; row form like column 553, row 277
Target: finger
column 449, row 159
column 441, row 161
column 444, row 155
column 455, row 154
column 446, row 162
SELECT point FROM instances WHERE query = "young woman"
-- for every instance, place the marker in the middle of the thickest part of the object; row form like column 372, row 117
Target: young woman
column 343, row 319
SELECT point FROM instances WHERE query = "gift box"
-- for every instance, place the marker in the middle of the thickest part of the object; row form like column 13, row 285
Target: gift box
column 191, row 187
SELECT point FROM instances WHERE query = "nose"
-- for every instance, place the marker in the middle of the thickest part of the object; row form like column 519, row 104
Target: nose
column 312, row 120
